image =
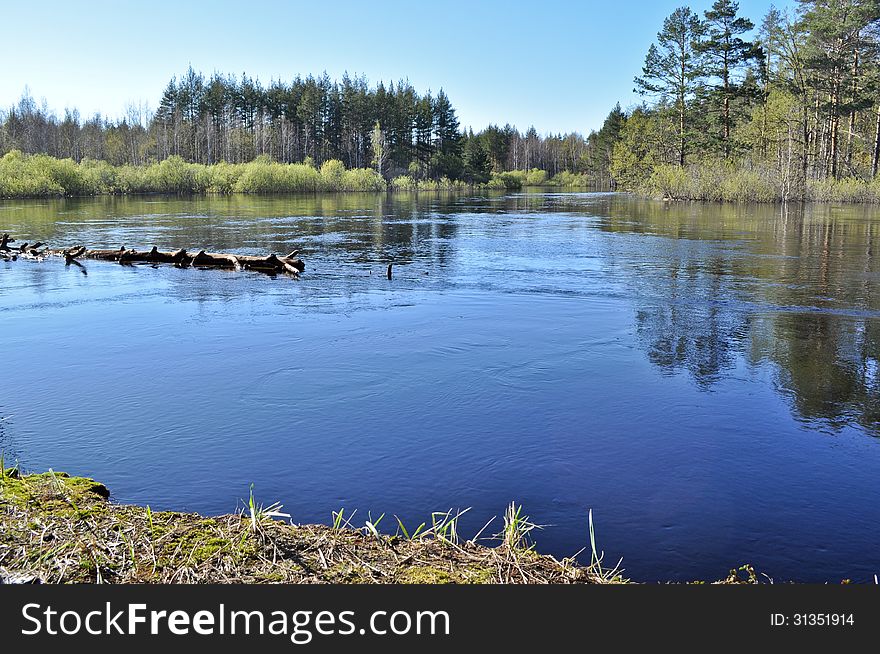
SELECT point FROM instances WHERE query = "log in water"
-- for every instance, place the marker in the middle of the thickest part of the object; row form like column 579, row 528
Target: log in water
column 290, row 264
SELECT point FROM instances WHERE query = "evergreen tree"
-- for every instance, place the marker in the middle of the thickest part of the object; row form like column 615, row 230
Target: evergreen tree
column 725, row 56
column 477, row 165
column 447, row 139
column 840, row 46
column 672, row 68
column 602, row 146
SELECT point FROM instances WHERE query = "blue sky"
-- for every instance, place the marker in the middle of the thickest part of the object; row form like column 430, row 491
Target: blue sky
column 559, row 66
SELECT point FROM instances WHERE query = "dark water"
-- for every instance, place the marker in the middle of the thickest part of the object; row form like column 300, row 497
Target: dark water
column 704, row 378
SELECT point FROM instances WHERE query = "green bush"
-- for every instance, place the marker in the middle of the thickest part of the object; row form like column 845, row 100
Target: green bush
column 333, row 175
column 363, row 179
column 536, row 177
column 508, row 181
column 404, row 183
column 845, row 190
column 569, row 179
column 669, row 182
column 24, row 175
column 749, row 186
column 262, row 176
column 224, row 177
column 713, row 181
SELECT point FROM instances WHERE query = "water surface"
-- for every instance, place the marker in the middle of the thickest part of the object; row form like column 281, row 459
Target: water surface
column 704, row 378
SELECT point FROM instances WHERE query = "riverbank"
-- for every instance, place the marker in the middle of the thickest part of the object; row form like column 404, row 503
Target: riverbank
column 41, row 176
column 60, row 529
column 724, row 182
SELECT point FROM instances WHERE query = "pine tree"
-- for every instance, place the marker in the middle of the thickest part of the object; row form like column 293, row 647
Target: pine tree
column 447, row 139
column 725, row 56
column 477, row 165
column 672, row 68
column 839, row 46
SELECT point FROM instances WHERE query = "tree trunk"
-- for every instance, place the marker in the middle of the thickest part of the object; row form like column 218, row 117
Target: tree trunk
column 875, row 158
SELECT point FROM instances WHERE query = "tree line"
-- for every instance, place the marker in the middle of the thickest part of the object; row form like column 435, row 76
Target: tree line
column 222, row 118
column 781, row 108
column 733, row 109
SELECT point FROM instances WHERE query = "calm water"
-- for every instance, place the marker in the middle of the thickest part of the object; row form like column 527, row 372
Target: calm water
column 705, row 378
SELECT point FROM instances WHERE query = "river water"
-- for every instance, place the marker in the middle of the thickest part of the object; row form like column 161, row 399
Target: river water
column 705, row 378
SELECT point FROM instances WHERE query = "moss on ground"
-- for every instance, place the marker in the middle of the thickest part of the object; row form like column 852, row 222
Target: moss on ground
column 61, row 529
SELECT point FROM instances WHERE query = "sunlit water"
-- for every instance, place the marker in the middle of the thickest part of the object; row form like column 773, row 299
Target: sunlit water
column 704, row 378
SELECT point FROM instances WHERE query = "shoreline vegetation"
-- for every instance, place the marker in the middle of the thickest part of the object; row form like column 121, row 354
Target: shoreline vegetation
column 724, row 182
column 42, row 176
column 25, row 176
column 55, row 528
column 785, row 108
column 777, row 109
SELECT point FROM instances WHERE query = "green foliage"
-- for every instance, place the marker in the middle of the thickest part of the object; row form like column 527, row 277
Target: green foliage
column 536, row 177
column 714, row 181
column 404, row 183
column 672, row 69
column 333, row 175
column 669, row 182
column 638, row 150
column 447, row 165
column 724, row 56
column 407, row 183
column 31, row 176
column 568, row 179
column 363, row 179
column 272, row 177
column 510, row 181
column 844, row 190
column 477, row 167
column 24, row 175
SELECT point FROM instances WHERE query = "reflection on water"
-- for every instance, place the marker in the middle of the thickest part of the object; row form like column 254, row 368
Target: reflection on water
column 794, row 286
column 704, row 377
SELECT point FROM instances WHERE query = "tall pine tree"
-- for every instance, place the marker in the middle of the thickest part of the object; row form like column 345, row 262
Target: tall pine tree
column 672, row 68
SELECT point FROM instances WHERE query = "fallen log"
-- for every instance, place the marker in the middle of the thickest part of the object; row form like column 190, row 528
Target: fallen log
column 26, row 249
column 271, row 264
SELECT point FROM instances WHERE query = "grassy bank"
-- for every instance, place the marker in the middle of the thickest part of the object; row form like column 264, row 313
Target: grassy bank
column 60, row 529
column 722, row 182
column 40, row 176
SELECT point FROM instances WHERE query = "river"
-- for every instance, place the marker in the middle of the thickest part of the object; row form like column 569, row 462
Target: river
column 705, row 378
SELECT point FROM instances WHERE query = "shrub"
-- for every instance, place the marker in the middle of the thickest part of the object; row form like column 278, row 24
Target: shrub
column 507, row 181
column 536, row 177
column 404, row 183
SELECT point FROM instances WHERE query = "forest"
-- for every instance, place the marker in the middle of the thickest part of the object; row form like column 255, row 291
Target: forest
column 784, row 107
column 232, row 134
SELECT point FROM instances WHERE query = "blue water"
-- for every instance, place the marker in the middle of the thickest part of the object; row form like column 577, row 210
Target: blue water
column 704, row 378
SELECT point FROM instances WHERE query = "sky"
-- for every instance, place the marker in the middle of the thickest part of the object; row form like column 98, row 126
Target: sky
column 560, row 66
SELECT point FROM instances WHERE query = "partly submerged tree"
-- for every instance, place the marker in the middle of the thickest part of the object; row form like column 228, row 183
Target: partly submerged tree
column 380, row 148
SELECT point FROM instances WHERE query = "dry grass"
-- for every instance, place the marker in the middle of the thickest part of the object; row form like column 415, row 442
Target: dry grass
column 60, row 529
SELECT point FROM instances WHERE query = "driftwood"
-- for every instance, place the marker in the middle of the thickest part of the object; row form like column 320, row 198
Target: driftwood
column 26, row 250
column 290, row 263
